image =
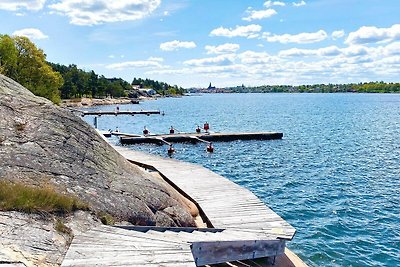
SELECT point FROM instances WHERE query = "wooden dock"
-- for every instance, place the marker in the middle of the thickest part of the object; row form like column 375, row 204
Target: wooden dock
column 121, row 112
column 240, row 226
column 198, row 137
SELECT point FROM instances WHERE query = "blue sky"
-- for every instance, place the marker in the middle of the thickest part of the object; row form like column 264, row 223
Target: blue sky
column 226, row 42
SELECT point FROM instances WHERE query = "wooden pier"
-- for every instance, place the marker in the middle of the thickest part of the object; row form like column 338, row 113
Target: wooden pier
column 121, row 112
column 239, row 225
column 198, row 137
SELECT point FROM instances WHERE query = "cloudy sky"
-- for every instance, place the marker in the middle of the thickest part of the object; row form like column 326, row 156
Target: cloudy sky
column 226, row 42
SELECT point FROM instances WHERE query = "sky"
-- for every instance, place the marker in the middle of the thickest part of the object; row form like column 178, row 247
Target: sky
column 191, row 43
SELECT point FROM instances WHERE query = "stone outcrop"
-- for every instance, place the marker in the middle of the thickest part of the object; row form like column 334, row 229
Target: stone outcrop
column 42, row 144
column 33, row 240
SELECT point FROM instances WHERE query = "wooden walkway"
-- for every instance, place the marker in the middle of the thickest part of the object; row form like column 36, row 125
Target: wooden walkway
column 240, row 226
column 130, row 246
column 224, row 203
column 196, row 137
column 121, row 112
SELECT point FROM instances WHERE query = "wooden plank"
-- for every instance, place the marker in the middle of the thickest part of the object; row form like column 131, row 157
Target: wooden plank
column 219, row 252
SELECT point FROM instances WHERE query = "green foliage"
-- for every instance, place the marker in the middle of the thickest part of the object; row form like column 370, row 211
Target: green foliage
column 160, row 87
column 23, row 62
column 19, row 197
column 79, row 83
column 371, row 87
column 106, row 218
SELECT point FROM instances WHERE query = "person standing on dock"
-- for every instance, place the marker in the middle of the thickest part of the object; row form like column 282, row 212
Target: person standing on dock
column 198, row 130
column 172, row 130
column 117, row 108
column 145, row 131
column 206, row 127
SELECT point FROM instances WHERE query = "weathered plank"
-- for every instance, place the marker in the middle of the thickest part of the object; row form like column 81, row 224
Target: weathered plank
column 199, row 137
column 213, row 193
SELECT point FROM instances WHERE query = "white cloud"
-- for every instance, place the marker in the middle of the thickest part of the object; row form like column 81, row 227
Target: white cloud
column 392, row 49
column 31, row 33
column 301, row 38
column 158, row 59
column 296, row 52
column 372, row 34
column 249, row 31
column 253, row 58
column 260, row 14
column 268, row 4
column 324, row 52
column 337, row 34
column 150, row 63
column 222, row 49
column 90, row 12
column 301, row 3
column 14, row 5
column 176, row 45
column 355, row 51
column 221, row 60
column 329, row 51
column 323, row 65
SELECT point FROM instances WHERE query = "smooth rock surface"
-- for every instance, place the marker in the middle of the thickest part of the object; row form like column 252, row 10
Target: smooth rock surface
column 42, row 144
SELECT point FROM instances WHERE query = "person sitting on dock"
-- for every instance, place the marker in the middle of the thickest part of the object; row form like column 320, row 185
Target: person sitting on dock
column 198, row 130
column 145, row 131
column 117, row 130
column 206, row 127
column 172, row 130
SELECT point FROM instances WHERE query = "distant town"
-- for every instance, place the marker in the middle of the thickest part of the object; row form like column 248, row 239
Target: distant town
column 370, row 87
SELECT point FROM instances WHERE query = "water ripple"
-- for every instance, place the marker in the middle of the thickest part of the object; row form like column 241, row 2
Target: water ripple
column 335, row 176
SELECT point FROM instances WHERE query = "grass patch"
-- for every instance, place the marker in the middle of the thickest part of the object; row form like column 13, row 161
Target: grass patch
column 106, row 218
column 23, row 198
column 62, row 228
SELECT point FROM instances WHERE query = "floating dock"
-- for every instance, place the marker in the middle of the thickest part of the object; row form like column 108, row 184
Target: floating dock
column 239, row 225
column 121, row 112
column 198, row 137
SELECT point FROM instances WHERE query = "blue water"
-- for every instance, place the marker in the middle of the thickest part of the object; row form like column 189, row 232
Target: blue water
column 335, row 176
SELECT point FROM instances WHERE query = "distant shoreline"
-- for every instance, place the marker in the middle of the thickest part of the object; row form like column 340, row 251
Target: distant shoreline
column 89, row 102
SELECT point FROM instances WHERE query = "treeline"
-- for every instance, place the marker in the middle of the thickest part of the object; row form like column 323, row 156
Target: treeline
column 79, row 83
column 161, row 88
column 23, row 62
column 370, row 87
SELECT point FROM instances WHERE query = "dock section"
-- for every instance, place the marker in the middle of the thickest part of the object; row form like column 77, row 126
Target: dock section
column 239, row 225
column 198, row 137
column 121, row 112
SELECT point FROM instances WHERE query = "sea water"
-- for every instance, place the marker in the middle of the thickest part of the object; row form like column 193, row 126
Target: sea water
column 335, row 175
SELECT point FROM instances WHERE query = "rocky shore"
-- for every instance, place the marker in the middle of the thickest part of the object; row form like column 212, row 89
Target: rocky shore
column 44, row 145
column 88, row 102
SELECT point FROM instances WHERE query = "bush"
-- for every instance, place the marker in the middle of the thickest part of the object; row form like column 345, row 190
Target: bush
column 23, row 198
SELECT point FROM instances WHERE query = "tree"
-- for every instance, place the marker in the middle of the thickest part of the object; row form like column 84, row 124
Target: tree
column 8, row 56
column 22, row 61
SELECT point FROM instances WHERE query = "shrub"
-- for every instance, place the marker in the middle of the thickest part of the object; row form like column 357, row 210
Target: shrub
column 106, row 218
column 24, row 198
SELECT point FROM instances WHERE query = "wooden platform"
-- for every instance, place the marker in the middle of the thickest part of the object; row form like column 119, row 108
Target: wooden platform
column 198, row 137
column 240, row 225
column 121, row 112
